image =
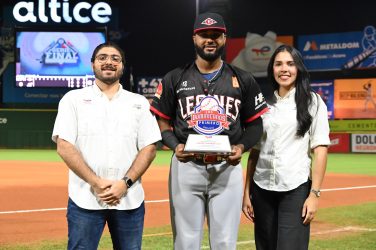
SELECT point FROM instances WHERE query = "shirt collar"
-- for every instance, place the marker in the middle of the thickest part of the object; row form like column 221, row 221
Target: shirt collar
column 98, row 91
column 289, row 94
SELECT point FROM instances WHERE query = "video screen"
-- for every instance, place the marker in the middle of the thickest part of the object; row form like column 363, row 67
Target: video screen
column 56, row 58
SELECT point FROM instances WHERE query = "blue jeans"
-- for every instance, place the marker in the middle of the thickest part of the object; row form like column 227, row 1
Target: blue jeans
column 85, row 227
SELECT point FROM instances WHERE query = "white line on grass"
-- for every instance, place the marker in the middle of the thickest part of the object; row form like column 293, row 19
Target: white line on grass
column 165, row 200
column 337, row 230
column 33, row 210
column 345, row 229
column 347, row 188
column 61, row 208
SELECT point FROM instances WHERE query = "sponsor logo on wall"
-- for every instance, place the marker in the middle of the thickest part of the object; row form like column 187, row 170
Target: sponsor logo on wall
column 363, row 143
column 59, row 12
column 147, row 86
column 253, row 52
column 337, row 51
column 3, row 120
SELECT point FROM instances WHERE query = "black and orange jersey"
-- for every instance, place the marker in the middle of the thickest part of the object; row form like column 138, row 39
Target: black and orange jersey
column 222, row 105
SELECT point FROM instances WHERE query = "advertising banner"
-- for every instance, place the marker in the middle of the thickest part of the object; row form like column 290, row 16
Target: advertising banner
column 326, row 90
column 365, row 143
column 147, row 86
column 355, row 98
column 352, row 125
column 253, row 52
column 336, row 51
column 339, row 143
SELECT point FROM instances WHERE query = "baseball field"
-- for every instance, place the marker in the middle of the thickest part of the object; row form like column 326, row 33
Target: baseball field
column 33, row 198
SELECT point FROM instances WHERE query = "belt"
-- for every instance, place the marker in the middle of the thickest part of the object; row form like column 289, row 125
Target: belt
column 208, row 158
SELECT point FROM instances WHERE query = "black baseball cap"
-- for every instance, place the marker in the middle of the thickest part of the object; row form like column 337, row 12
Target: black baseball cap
column 209, row 21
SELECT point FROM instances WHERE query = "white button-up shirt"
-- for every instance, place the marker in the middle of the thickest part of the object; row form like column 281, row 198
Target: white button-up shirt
column 285, row 160
column 109, row 134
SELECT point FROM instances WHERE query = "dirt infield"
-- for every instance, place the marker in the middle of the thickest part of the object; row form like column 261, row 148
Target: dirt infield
column 43, row 186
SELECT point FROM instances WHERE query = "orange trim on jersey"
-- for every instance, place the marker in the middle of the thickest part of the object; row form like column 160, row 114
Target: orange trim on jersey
column 257, row 115
column 156, row 111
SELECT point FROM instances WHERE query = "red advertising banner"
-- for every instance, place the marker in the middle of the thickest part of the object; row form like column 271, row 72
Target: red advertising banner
column 340, row 143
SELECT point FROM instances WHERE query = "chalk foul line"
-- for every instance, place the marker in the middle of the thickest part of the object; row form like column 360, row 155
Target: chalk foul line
column 165, row 200
column 347, row 188
column 60, row 208
column 336, row 230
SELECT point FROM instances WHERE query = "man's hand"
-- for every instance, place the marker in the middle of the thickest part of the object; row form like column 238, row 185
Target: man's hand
column 236, row 154
column 101, row 185
column 181, row 156
column 112, row 195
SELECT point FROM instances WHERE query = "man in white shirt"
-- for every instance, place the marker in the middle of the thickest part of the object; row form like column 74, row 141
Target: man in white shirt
column 106, row 136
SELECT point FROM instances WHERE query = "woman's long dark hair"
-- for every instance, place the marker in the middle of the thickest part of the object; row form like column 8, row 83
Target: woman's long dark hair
column 303, row 97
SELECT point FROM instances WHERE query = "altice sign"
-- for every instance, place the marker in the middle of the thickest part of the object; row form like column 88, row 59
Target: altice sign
column 60, row 11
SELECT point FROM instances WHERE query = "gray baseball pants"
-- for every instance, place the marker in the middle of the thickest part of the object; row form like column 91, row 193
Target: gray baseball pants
column 199, row 191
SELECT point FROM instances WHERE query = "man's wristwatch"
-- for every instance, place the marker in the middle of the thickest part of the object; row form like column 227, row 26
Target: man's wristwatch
column 316, row 192
column 128, row 181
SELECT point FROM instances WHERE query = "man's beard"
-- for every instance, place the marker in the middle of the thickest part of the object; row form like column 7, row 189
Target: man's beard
column 210, row 57
column 107, row 80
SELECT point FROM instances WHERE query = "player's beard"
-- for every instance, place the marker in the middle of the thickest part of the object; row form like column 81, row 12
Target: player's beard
column 108, row 80
column 210, row 57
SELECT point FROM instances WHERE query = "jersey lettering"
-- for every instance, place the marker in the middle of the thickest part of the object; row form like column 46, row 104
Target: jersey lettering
column 230, row 104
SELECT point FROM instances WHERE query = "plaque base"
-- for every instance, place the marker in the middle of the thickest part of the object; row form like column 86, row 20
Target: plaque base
column 208, row 144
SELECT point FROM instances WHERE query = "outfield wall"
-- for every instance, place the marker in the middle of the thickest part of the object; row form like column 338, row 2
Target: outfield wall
column 26, row 128
column 32, row 128
column 357, row 136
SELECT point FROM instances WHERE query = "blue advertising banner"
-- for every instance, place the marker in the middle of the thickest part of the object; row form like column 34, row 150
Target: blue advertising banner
column 338, row 51
column 326, row 90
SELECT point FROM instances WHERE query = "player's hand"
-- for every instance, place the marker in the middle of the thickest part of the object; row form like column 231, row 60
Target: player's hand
column 113, row 194
column 181, row 156
column 310, row 208
column 248, row 208
column 236, row 155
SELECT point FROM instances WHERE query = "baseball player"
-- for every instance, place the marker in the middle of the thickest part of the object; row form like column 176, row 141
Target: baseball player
column 230, row 103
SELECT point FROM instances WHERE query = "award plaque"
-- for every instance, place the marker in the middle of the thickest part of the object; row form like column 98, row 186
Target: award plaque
column 208, row 144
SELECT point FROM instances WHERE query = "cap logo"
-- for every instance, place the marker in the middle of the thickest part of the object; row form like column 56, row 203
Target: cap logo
column 208, row 21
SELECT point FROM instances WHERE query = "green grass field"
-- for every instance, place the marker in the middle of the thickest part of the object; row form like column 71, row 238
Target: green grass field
column 361, row 217
column 337, row 163
column 364, row 219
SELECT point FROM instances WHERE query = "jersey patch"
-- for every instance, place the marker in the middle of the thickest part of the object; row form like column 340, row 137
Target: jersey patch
column 235, row 82
column 209, row 117
column 259, row 99
column 186, row 86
